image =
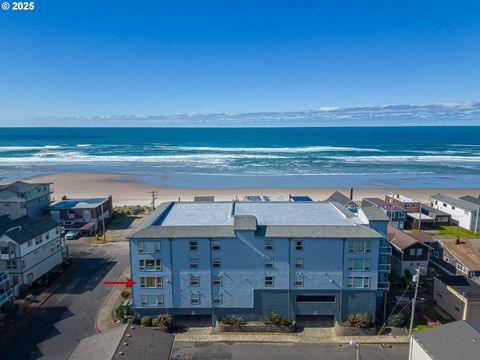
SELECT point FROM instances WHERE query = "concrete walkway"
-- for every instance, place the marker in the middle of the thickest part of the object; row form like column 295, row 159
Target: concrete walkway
column 308, row 336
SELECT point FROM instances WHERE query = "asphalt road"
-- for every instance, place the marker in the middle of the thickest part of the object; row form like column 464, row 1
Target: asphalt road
column 68, row 316
column 280, row 351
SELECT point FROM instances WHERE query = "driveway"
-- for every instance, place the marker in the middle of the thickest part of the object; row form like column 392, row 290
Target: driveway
column 68, row 316
column 279, row 351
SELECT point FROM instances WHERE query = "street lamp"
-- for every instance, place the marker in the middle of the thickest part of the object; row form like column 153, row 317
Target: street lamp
column 357, row 349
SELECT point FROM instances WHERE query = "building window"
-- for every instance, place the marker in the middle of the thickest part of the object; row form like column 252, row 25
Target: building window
column 193, row 263
column 446, row 259
column 11, row 264
column 360, row 246
column 359, row 264
column 436, row 254
column 193, row 245
column 419, row 252
column 412, row 252
column 216, row 246
column 30, row 242
column 38, row 240
column 217, row 299
column 194, row 299
column 461, row 268
column 268, row 263
column 152, row 300
column 194, row 280
column 148, row 247
column 151, row 282
column 414, row 205
column 299, row 245
column 407, row 206
column 299, row 280
column 217, row 280
column 298, row 263
column 268, row 245
column 150, row 265
column 359, row 282
column 401, row 215
column 216, row 263
column 268, row 280
column 453, row 207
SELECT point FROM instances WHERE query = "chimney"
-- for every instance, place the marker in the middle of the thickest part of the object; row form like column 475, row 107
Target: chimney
column 457, row 241
column 351, row 193
column 64, row 197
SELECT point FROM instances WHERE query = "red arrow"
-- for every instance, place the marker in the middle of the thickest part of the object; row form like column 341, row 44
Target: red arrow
column 129, row 282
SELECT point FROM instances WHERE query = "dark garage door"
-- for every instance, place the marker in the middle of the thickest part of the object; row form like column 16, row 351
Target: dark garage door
column 193, row 320
column 315, row 320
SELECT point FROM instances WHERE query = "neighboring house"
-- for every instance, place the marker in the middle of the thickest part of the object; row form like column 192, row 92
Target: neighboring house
column 20, row 198
column 456, row 256
column 83, row 215
column 408, row 204
column 408, row 252
column 308, row 261
column 300, row 198
column 459, row 296
column 126, row 342
column 464, row 213
column 29, row 248
column 430, row 218
column 344, row 200
column 203, row 198
column 396, row 214
column 458, row 340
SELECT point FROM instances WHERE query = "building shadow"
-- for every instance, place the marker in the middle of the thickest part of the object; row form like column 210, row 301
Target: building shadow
column 24, row 344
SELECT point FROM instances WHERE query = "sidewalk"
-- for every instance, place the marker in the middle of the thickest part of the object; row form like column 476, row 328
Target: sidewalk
column 308, row 336
column 104, row 319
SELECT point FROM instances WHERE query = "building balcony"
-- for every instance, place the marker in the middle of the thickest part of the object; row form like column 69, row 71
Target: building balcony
column 385, row 250
column 383, row 285
column 7, row 295
column 384, row 268
column 4, row 277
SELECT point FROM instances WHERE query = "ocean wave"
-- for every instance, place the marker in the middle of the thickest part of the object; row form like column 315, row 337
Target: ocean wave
column 76, row 157
column 28, row 148
column 405, row 158
column 84, row 145
column 305, row 149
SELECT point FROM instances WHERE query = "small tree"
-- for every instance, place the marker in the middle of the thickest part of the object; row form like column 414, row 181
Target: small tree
column 396, row 320
column 275, row 319
column 146, row 321
column 163, row 321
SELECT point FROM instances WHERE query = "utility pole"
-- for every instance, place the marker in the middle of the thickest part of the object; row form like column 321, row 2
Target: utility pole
column 416, row 279
column 154, row 197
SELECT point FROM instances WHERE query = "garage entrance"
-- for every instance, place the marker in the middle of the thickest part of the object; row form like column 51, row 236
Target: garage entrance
column 319, row 321
column 193, row 320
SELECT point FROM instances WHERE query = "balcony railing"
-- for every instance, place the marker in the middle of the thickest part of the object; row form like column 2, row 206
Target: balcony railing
column 385, row 250
column 384, row 267
column 7, row 295
column 383, row 286
column 3, row 277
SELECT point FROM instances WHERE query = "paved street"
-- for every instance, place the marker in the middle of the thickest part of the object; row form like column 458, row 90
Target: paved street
column 262, row 351
column 68, row 316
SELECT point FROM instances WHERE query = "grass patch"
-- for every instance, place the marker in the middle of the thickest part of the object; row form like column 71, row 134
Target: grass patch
column 420, row 327
column 457, row 231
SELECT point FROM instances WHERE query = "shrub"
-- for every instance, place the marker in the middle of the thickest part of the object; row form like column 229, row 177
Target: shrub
column 285, row 321
column 125, row 293
column 23, row 291
column 359, row 320
column 119, row 312
column 266, row 320
column 397, row 320
column 134, row 320
column 234, row 320
column 155, row 322
column 8, row 306
column 276, row 319
column 146, row 321
column 164, row 321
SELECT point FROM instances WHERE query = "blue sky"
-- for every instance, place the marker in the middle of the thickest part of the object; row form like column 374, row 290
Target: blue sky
column 99, row 58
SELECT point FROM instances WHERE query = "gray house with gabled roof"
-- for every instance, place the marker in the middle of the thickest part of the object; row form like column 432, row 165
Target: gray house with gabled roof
column 344, row 200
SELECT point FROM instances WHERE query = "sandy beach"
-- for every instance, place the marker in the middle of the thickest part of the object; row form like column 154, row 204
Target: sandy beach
column 128, row 190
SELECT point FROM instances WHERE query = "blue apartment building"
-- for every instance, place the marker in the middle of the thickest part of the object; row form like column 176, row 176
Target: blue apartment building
column 312, row 261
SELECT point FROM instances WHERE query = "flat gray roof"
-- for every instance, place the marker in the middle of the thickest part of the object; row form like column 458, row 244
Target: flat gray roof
column 269, row 219
column 459, row 340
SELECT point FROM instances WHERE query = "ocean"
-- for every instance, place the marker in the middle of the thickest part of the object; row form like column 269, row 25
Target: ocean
column 252, row 157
